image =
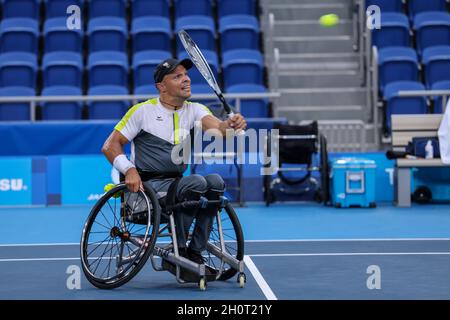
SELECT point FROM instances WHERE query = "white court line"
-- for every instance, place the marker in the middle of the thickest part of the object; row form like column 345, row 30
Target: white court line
column 348, row 254
column 259, row 279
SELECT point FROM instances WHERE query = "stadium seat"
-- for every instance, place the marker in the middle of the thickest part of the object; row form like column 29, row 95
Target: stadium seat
column 403, row 105
column 229, row 7
column 108, row 68
column 394, row 31
column 204, row 88
column 58, row 38
column 397, row 64
column 107, row 109
column 62, row 68
column 440, row 85
column 15, row 111
column 18, row 69
column 58, row 8
column 253, row 108
column 144, row 64
column 418, row 6
column 239, row 32
column 194, row 74
column 19, row 34
column 189, row 8
column 436, row 61
column 107, row 34
column 61, row 110
column 151, row 33
column 21, row 9
column 200, row 28
column 107, row 8
column 142, row 8
column 242, row 66
column 432, row 29
column 387, row 5
column 149, row 90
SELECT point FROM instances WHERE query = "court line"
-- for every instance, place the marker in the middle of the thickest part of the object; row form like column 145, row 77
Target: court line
column 347, row 254
column 259, row 279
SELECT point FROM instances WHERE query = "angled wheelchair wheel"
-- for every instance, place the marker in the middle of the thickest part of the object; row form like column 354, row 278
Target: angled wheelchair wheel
column 230, row 231
column 118, row 236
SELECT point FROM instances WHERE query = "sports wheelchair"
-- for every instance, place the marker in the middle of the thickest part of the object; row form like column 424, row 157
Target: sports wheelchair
column 125, row 229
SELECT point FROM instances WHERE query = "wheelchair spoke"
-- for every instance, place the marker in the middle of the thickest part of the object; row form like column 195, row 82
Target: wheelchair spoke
column 100, row 243
column 100, row 258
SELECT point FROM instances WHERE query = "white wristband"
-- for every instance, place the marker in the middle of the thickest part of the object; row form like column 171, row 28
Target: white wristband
column 122, row 164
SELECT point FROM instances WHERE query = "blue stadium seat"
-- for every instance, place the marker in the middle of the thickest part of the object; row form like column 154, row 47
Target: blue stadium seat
column 149, row 90
column 189, row 8
column 19, row 34
column 62, row 68
column 252, row 108
column 418, row 6
column 58, row 38
column 387, row 5
column 15, row 111
column 239, row 32
column 107, row 8
column 61, row 110
column 108, row 68
column 194, row 74
column 142, row 8
column 397, row 64
column 436, row 61
column 394, row 31
column 203, row 88
column 107, row 109
column 58, row 8
column 200, row 28
column 20, row 9
column 432, row 29
column 229, row 7
column 107, row 34
column 144, row 64
column 242, row 66
column 397, row 105
column 151, row 33
column 440, row 85
column 18, row 69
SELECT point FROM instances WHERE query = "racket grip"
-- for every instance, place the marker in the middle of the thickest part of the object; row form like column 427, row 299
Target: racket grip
column 236, row 132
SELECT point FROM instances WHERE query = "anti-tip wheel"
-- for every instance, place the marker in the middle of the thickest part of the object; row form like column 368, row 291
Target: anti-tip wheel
column 242, row 279
column 202, row 284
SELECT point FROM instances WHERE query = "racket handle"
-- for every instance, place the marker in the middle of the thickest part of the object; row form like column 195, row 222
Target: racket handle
column 237, row 132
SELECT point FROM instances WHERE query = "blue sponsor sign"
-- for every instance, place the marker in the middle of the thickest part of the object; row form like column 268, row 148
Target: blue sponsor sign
column 15, row 181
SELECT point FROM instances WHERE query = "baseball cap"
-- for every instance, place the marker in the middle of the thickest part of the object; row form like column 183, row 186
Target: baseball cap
column 168, row 65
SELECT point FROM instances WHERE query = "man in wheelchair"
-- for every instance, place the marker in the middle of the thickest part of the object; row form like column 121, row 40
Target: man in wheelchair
column 154, row 128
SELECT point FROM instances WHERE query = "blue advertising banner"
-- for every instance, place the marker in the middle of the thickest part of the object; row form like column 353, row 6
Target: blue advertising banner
column 15, row 181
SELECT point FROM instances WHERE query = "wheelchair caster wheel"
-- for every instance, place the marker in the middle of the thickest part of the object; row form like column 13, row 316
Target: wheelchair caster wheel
column 242, row 279
column 202, row 284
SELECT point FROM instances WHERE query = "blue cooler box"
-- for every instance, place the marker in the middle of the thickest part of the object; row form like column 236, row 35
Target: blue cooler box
column 353, row 182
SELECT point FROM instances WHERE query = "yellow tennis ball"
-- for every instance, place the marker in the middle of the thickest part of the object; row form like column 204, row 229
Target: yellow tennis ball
column 329, row 20
column 108, row 187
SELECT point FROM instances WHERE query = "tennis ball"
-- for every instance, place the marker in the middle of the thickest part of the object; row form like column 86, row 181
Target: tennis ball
column 108, row 187
column 329, row 20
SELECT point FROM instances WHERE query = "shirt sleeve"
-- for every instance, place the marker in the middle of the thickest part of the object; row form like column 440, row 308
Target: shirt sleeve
column 131, row 123
column 200, row 111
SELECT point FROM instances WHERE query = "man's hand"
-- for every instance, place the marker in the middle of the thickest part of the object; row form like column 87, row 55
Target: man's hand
column 133, row 180
column 237, row 122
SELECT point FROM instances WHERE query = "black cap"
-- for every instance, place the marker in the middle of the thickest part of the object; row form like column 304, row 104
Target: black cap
column 167, row 66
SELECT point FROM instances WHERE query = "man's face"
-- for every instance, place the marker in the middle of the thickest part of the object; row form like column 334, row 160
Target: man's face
column 177, row 83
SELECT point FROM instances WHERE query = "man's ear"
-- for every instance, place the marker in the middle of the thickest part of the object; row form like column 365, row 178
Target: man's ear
column 161, row 87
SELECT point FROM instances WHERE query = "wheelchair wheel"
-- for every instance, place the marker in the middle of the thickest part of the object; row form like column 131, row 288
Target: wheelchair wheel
column 233, row 240
column 324, row 171
column 118, row 236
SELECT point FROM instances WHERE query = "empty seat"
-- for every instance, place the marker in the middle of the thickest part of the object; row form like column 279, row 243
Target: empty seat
column 107, row 109
column 239, row 32
column 403, row 105
column 108, row 68
column 15, row 111
column 151, row 33
column 436, row 61
column 418, row 6
column 142, row 8
column 194, row 74
column 252, row 108
column 62, row 68
column 229, row 7
column 189, row 8
column 397, row 64
column 200, row 28
column 58, row 8
column 107, row 8
column 204, row 88
column 144, row 64
column 107, row 33
column 19, row 34
column 20, row 9
column 149, row 90
column 18, row 69
column 432, row 29
column 57, row 37
column 394, row 31
column 242, row 66
column 61, row 110
column 437, row 101
column 387, row 5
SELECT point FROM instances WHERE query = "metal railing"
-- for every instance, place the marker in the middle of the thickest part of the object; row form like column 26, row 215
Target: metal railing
column 445, row 94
